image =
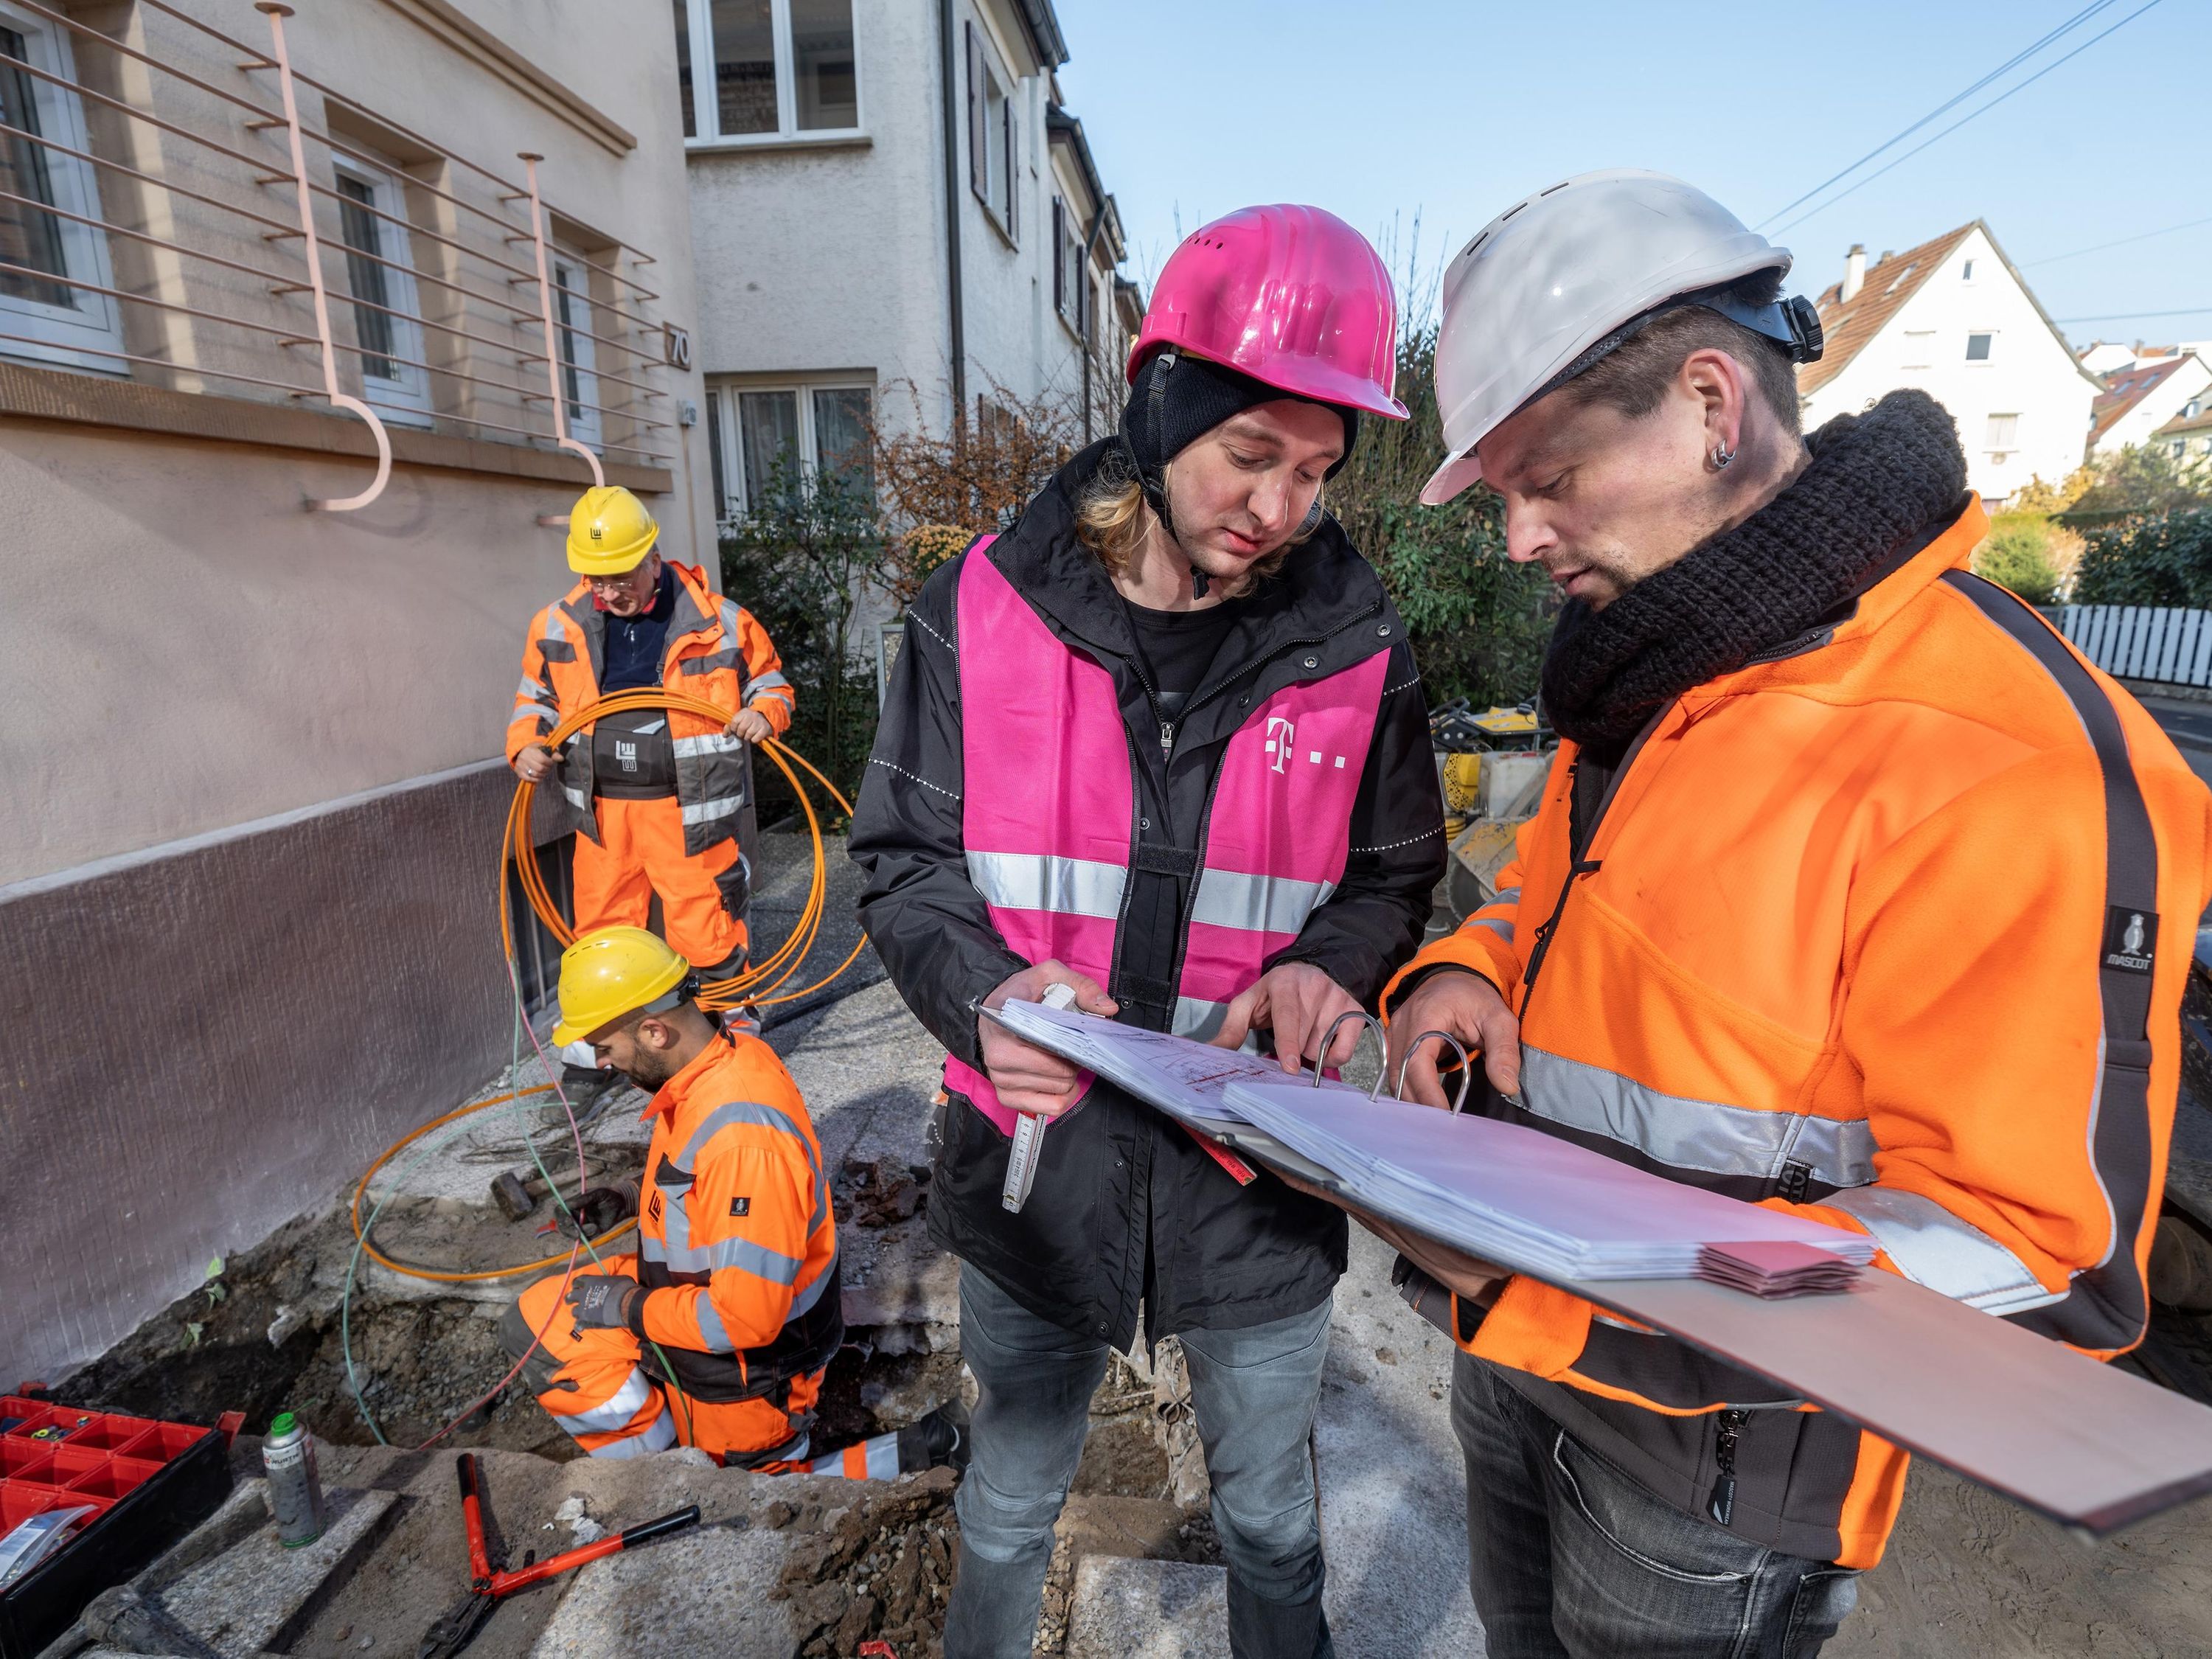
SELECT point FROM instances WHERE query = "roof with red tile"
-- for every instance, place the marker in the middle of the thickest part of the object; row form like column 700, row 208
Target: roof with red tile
column 2124, row 389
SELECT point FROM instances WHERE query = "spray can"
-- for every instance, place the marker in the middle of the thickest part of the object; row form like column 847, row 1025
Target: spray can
column 296, row 1490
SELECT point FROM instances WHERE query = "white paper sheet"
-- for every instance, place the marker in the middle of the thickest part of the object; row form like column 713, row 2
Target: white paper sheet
column 1186, row 1079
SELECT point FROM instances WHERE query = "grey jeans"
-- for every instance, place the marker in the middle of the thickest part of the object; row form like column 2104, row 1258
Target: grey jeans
column 1254, row 1391
column 1569, row 1558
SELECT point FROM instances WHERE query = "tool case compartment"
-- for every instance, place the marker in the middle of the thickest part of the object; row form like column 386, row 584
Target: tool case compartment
column 149, row 1483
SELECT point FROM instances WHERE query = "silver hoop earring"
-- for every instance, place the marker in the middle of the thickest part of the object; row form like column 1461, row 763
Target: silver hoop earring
column 1722, row 456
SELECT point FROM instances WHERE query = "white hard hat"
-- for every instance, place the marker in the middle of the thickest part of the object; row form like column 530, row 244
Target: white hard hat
column 1557, row 273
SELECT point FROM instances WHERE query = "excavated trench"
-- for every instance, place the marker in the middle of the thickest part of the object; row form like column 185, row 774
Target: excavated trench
column 267, row 1335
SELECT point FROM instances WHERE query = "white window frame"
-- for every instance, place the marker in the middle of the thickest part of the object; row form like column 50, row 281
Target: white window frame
column 63, row 334
column 723, row 396
column 406, row 398
column 1919, row 349
column 572, row 333
column 707, row 107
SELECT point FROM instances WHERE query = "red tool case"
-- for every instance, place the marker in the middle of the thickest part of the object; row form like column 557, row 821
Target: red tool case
column 151, row 1482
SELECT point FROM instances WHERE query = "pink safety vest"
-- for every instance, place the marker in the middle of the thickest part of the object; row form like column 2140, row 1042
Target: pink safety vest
column 1048, row 809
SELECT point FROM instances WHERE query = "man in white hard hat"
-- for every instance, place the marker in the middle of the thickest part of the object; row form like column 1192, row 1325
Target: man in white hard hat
column 1843, row 896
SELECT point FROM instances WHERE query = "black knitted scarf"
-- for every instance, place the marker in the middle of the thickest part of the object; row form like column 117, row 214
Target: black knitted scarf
column 1879, row 484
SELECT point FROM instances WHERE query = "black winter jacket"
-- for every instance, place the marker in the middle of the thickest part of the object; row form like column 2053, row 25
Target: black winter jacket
column 1126, row 1207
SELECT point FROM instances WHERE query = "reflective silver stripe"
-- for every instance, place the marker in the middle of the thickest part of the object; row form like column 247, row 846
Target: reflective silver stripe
column 615, row 1413
column 1194, row 1017
column 530, row 690
column 549, row 623
column 577, row 799
column 1496, row 925
column 713, row 1335
column 1694, row 1134
column 1505, row 896
column 1258, row 904
column 806, row 1299
column 545, row 712
column 741, row 1111
column 714, row 743
column 1038, row 881
column 755, row 1259
column 706, row 812
column 770, row 681
column 658, row 1438
column 883, row 1458
column 1932, row 1247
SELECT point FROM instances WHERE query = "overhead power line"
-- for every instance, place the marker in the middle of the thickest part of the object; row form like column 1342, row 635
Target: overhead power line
column 1952, row 102
column 2053, row 259
column 2018, row 86
column 2130, row 316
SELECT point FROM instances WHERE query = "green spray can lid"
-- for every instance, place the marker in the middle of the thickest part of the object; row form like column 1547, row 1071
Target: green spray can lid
column 283, row 1424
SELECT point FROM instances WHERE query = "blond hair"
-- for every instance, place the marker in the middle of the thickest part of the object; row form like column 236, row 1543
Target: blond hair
column 1112, row 519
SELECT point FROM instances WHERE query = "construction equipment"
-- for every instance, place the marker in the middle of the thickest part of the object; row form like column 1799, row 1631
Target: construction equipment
column 457, row 1627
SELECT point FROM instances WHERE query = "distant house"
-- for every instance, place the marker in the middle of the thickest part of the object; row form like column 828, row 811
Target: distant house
column 1952, row 317
column 2188, row 435
column 2141, row 399
column 897, row 226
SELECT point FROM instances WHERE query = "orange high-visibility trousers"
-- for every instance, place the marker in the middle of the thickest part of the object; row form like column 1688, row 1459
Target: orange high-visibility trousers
column 590, row 1383
column 639, row 852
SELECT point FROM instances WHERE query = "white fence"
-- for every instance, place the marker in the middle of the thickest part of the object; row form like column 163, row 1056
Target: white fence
column 2144, row 642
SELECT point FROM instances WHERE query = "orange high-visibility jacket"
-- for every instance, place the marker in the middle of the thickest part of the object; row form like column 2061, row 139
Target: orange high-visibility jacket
column 715, row 650
column 1891, row 931
column 737, row 1241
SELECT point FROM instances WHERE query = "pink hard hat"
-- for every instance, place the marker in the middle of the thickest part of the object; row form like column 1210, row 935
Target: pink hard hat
column 1292, row 296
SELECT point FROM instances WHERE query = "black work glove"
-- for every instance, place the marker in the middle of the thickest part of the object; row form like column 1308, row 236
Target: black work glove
column 606, row 1302
column 598, row 1210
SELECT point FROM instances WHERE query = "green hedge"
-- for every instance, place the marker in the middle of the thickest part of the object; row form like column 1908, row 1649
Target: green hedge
column 2164, row 559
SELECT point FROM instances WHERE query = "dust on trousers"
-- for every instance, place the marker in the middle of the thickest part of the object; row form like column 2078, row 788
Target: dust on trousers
column 591, row 1383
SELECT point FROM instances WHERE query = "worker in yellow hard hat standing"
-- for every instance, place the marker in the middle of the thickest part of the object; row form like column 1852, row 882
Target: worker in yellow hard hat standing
column 715, row 1332
column 656, row 796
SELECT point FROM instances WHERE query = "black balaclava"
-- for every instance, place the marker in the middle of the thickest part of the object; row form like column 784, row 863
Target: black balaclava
column 1177, row 400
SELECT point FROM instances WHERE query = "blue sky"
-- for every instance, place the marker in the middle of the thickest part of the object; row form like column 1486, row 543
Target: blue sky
column 1387, row 110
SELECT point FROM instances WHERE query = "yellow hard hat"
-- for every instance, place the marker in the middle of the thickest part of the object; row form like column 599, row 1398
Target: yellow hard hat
column 610, row 972
column 609, row 533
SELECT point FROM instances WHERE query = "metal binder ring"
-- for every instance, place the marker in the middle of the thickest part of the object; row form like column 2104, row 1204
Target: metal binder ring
column 1465, row 1066
column 1329, row 1037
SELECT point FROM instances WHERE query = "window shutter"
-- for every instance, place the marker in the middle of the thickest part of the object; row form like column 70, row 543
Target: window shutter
column 978, row 162
column 1013, row 156
column 1058, row 256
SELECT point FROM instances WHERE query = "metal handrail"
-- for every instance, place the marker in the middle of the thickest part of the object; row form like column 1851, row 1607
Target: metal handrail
column 281, row 231
column 485, row 172
column 283, row 280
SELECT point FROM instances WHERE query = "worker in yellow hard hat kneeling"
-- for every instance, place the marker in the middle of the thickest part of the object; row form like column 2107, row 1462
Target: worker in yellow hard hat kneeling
column 656, row 797
column 716, row 1332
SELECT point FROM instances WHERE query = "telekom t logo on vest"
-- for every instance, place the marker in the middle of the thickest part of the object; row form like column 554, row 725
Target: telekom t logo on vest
column 1282, row 744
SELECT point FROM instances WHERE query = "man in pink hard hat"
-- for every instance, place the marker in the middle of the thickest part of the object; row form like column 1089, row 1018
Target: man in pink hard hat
column 1161, row 742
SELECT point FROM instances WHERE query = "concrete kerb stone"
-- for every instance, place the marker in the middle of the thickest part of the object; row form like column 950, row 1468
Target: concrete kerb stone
column 1126, row 1608
column 257, row 1594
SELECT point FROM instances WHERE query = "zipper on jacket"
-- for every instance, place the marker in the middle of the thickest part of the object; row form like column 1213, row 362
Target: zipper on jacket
column 1721, row 1504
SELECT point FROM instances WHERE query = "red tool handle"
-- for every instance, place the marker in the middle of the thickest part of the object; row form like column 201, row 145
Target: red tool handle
column 506, row 1584
column 472, row 1518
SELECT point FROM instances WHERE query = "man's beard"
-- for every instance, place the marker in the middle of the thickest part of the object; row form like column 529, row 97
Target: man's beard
column 648, row 1071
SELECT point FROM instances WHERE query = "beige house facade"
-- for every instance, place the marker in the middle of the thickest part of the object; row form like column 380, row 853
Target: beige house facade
column 312, row 327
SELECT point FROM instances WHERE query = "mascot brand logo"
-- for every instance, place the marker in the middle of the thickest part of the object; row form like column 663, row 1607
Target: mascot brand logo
column 2130, row 937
